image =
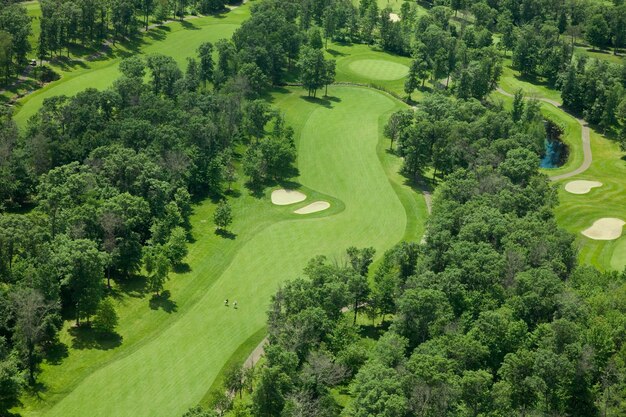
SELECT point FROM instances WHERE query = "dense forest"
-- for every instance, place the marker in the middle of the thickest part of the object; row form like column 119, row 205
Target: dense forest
column 490, row 316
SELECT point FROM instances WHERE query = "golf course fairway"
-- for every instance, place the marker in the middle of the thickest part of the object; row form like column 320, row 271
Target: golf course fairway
column 342, row 159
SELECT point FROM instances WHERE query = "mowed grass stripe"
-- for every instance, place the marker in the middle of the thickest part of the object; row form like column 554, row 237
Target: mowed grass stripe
column 338, row 157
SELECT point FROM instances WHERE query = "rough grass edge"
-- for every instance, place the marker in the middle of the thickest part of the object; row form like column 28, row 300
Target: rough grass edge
column 238, row 358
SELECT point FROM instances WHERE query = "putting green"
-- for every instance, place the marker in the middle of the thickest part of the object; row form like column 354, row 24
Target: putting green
column 378, row 69
column 342, row 159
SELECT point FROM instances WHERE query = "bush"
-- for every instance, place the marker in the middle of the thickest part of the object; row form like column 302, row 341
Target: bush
column 106, row 317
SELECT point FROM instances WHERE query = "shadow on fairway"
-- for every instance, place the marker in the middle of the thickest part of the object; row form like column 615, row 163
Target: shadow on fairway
column 324, row 101
column 183, row 268
column 335, row 53
column 134, row 286
column 88, row 338
column 163, row 302
column 226, row 234
column 56, row 353
column 187, row 25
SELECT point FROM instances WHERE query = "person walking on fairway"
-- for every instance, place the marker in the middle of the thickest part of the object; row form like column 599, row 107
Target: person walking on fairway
column 226, row 302
column 235, row 304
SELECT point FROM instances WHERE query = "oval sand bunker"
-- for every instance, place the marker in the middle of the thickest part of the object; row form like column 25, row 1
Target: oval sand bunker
column 314, row 207
column 608, row 228
column 285, row 197
column 581, row 186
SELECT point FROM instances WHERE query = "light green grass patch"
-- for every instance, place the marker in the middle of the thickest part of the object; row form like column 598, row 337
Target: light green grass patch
column 378, row 69
column 511, row 81
column 373, row 68
column 578, row 212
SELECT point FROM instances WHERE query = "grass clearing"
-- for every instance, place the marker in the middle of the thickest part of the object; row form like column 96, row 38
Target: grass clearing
column 363, row 64
column 378, row 69
column 177, row 346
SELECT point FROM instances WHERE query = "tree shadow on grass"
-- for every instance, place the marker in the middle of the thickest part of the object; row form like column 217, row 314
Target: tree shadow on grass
column 324, row 101
column 56, row 352
column 134, row 286
column 374, row 332
column 187, row 25
column 183, row 268
column 226, row 234
column 334, row 52
column 85, row 337
column 163, row 302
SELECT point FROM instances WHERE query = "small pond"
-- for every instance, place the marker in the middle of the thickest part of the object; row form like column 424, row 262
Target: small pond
column 555, row 151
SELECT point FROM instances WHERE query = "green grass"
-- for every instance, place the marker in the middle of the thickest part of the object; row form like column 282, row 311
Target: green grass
column 173, row 350
column 578, row 212
column 511, row 81
column 34, row 12
column 179, row 40
column 364, row 64
column 378, row 69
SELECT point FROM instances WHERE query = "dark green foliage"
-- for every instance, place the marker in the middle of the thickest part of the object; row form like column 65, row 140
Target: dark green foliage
column 223, row 216
column 106, row 318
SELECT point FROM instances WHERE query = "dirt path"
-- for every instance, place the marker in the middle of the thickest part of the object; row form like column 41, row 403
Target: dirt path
column 587, row 155
column 256, row 354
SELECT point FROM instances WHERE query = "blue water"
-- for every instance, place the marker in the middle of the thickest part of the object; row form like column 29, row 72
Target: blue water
column 555, row 154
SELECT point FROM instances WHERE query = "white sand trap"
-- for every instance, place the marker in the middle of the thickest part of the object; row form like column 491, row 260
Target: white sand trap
column 394, row 17
column 608, row 228
column 285, row 197
column 314, row 207
column 581, row 186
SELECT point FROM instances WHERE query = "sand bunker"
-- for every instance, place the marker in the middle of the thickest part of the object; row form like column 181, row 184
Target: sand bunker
column 314, row 207
column 581, row 187
column 285, row 197
column 394, row 17
column 608, row 228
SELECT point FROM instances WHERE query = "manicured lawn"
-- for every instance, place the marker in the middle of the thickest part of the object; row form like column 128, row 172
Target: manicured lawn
column 578, row 212
column 365, row 64
column 179, row 40
column 511, row 81
column 173, row 349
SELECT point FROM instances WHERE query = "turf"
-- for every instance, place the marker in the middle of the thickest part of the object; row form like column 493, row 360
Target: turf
column 578, row 212
column 378, row 69
column 363, row 64
column 511, row 81
column 174, row 348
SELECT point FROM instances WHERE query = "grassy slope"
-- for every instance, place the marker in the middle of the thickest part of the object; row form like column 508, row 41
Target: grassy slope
column 179, row 40
column 578, row 212
column 177, row 355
